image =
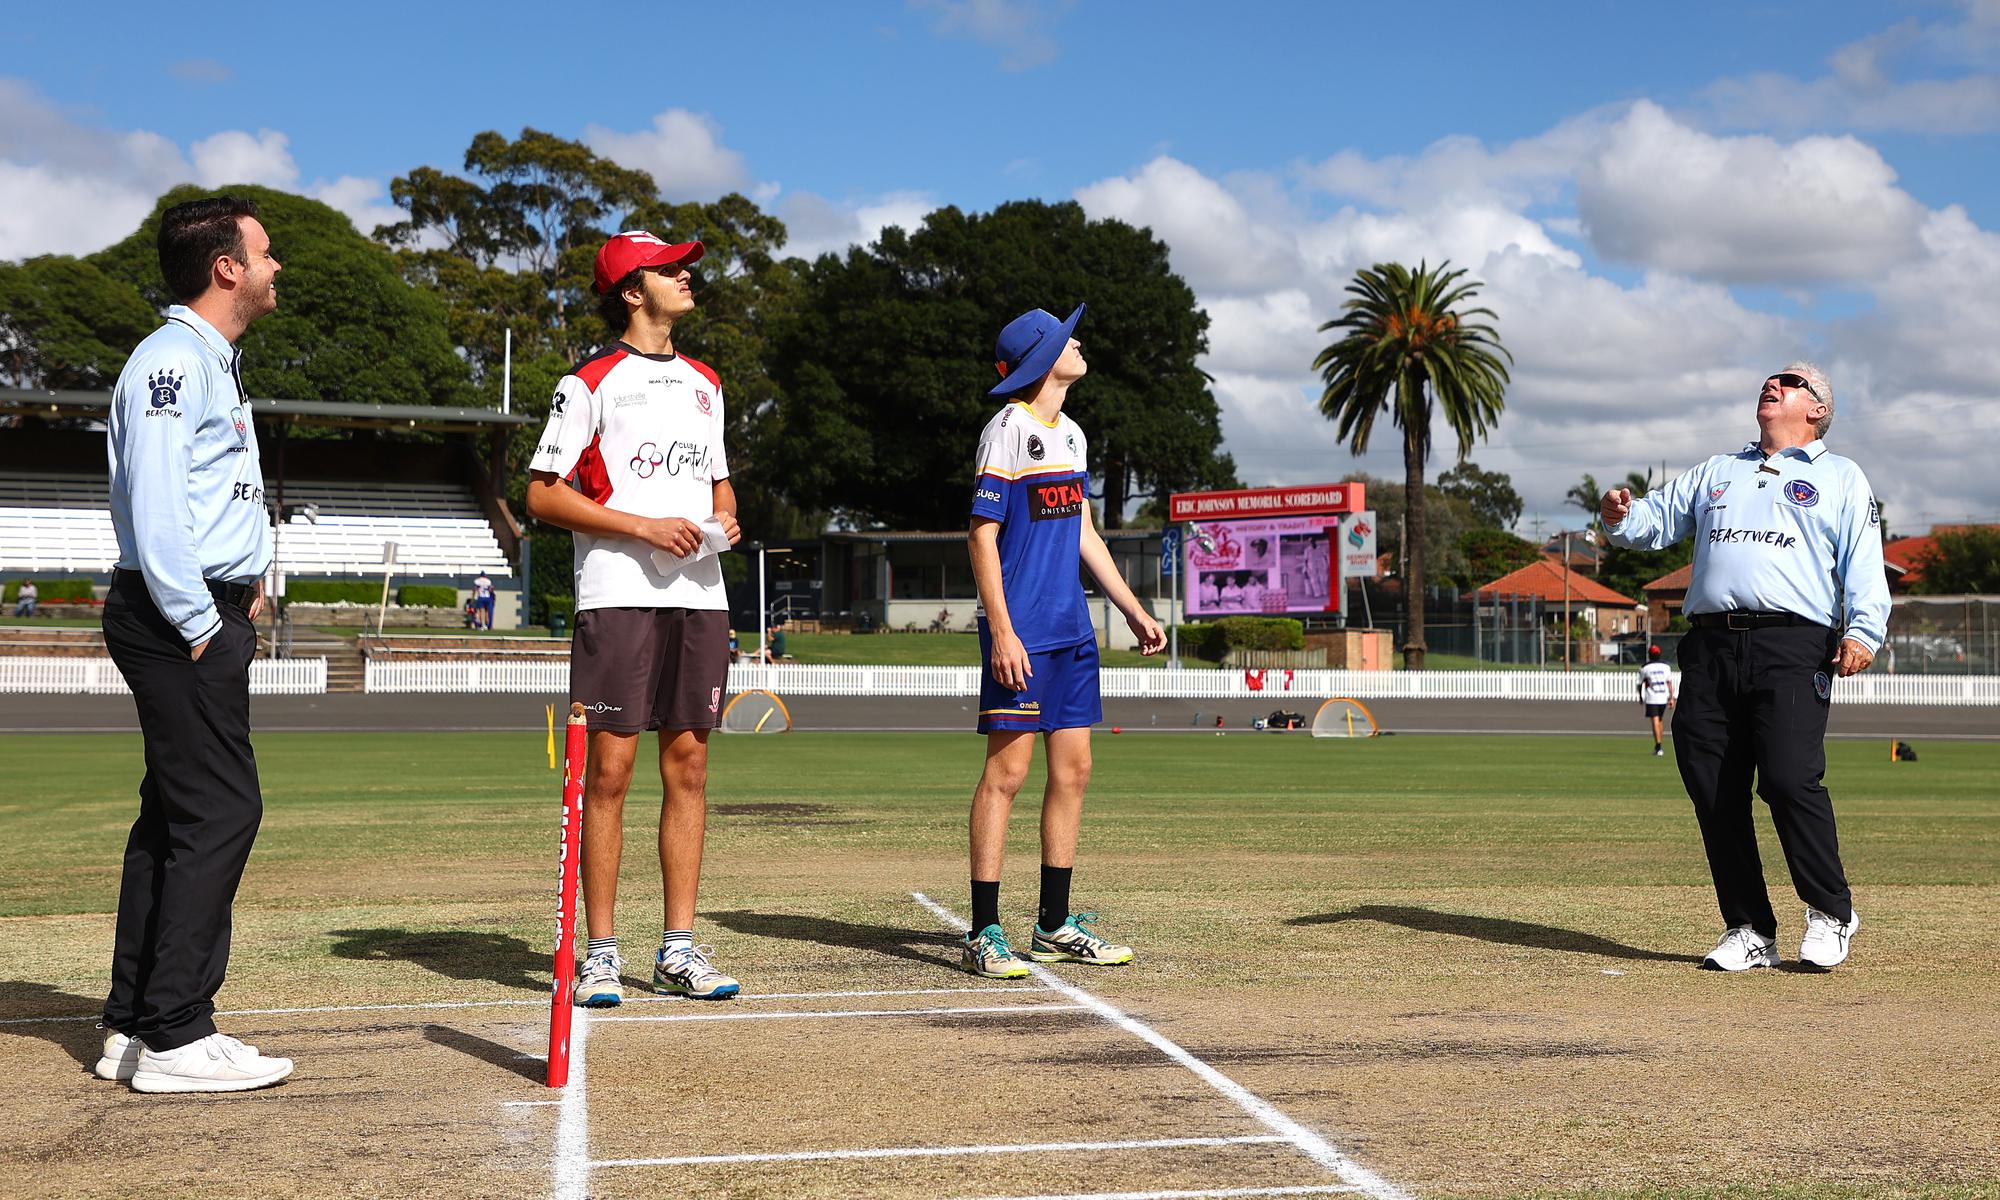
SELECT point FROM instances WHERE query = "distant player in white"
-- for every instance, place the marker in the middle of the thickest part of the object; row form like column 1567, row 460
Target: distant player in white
column 1656, row 692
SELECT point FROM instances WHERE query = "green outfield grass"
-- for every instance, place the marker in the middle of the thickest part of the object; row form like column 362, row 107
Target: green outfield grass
column 1515, row 811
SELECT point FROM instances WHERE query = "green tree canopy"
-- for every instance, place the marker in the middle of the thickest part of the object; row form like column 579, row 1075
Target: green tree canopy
column 1491, row 553
column 1409, row 347
column 348, row 327
column 1490, row 493
column 1965, row 560
column 884, row 363
column 64, row 323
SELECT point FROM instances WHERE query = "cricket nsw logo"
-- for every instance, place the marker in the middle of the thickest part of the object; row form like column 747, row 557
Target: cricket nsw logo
column 647, row 461
column 1715, row 493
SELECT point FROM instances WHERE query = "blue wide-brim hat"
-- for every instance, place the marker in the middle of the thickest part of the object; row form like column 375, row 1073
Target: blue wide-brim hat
column 1029, row 347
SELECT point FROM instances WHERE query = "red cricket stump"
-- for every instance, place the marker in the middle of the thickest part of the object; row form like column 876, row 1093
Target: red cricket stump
column 568, row 849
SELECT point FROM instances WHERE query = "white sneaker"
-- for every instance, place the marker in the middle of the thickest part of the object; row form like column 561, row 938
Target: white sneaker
column 1741, row 949
column 120, row 1058
column 216, row 1063
column 686, row 971
column 597, row 984
column 1826, row 941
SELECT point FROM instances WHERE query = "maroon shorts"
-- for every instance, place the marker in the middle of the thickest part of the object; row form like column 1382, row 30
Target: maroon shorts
column 650, row 668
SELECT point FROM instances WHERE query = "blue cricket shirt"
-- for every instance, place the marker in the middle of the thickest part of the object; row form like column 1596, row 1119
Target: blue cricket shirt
column 187, row 490
column 1797, row 532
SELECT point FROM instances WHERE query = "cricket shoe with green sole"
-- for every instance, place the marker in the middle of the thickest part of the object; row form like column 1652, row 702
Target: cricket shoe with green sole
column 686, row 971
column 1074, row 942
column 987, row 955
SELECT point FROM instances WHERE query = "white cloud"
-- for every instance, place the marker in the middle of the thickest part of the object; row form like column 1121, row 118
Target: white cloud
column 1218, row 245
column 71, row 188
column 1609, row 375
column 1743, row 209
column 683, row 152
column 1019, row 29
column 815, row 225
column 1861, row 89
column 234, row 156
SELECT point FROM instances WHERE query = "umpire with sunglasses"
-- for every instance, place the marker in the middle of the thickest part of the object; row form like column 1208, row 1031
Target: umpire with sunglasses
column 1787, row 594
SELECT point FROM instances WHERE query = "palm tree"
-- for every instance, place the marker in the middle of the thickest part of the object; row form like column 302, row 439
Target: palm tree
column 1588, row 496
column 1407, row 348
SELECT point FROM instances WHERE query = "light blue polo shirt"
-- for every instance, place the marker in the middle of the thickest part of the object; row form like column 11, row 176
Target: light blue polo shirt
column 187, row 489
column 1797, row 532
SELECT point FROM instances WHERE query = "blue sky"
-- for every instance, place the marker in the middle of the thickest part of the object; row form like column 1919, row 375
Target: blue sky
column 1663, row 206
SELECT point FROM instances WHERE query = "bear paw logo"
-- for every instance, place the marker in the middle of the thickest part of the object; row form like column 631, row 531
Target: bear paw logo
column 166, row 388
column 647, row 460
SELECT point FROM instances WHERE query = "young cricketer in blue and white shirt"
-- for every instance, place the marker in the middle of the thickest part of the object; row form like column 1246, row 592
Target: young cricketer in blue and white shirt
column 1032, row 527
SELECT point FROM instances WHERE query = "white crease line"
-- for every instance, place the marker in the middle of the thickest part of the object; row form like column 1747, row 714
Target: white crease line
column 836, row 1013
column 698, row 1160
column 444, row 1004
column 571, row 1165
column 1311, row 1144
column 1321, row 1189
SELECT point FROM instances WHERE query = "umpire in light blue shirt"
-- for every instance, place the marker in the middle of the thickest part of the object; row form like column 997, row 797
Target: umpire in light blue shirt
column 187, row 499
column 1788, row 594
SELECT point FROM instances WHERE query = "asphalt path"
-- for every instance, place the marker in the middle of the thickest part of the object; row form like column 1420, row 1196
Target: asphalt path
column 412, row 712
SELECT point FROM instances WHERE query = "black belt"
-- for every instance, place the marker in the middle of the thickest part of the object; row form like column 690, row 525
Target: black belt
column 238, row 595
column 1740, row 619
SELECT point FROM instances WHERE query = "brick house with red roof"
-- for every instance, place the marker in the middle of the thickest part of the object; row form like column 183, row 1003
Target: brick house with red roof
column 1608, row 612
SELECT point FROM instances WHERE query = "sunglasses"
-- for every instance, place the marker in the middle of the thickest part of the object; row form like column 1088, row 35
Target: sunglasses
column 1792, row 380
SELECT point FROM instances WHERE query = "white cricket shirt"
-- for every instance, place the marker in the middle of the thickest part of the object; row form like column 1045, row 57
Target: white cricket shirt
column 641, row 434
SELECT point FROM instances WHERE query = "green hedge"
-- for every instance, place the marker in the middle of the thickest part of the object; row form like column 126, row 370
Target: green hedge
column 563, row 605
column 52, row 591
column 332, row 591
column 426, row 595
column 1251, row 633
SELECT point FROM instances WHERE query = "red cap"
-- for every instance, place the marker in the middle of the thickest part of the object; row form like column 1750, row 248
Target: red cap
column 636, row 248
column 1652, row 649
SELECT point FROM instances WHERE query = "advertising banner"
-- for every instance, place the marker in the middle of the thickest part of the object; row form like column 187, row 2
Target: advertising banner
column 1357, row 545
column 1281, row 565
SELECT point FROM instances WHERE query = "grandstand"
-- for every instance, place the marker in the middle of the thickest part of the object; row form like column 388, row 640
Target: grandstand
column 62, row 523
column 339, row 503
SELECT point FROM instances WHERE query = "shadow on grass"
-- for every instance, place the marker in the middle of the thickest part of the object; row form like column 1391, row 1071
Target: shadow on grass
column 81, row 1039
column 506, row 1058
column 927, row 946
column 1493, row 929
column 455, row 953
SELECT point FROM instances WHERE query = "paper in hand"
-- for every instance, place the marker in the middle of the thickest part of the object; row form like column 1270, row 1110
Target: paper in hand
column 713, row 541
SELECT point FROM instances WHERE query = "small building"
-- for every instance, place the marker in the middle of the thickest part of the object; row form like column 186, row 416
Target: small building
column 1665, row 596
column 1609, row 613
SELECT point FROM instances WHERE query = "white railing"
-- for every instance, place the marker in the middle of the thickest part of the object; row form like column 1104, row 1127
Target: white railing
column 787, row 679
column 100, row 677
column 463, row 675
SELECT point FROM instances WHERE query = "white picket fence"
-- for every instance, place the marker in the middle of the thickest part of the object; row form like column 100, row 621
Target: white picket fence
column 100, row 677
column 552, row 678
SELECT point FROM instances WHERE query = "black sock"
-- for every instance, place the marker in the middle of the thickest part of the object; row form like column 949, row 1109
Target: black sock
column 1055, row 897
column 985, row 904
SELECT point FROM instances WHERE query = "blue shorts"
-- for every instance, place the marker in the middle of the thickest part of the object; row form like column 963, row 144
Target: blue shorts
column 1061, row 694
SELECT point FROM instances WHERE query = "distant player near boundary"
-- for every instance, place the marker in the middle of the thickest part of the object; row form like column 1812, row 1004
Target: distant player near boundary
column 639, row 430
column 1031, row 526
column 1656, row 692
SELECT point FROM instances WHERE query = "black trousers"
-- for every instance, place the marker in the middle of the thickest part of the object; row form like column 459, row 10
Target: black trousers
column 1752, row 705
column 199, row 807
